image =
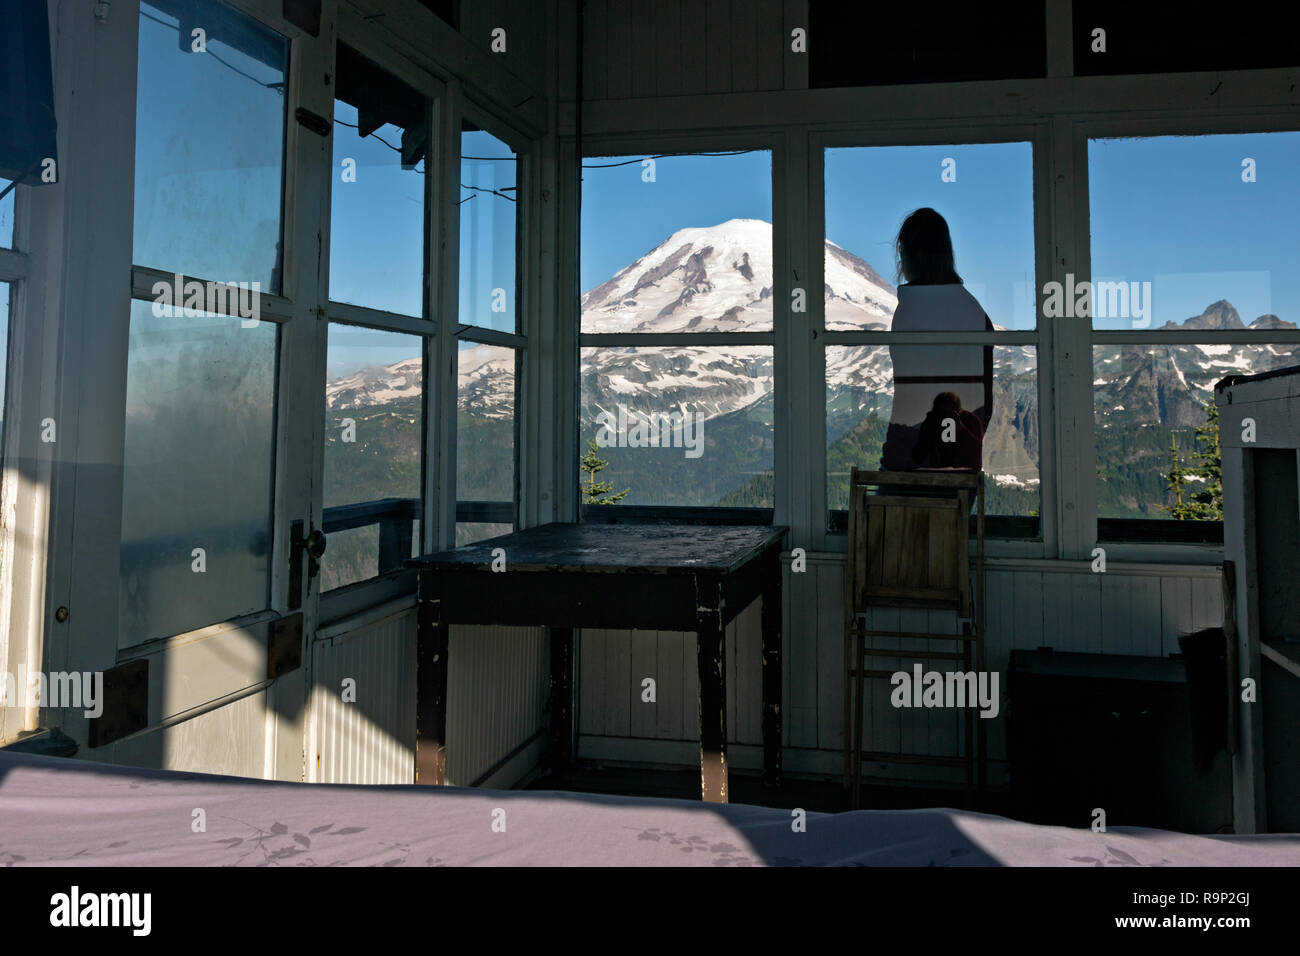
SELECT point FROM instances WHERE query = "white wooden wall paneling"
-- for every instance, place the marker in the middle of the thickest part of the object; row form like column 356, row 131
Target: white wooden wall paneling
column 1075, row 610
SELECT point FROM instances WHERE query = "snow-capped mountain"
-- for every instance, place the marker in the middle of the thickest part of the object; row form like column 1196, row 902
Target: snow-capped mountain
column 485, row 385
column 375, row 385
column 708, row 279
column 719, row 279
column 1170, row 384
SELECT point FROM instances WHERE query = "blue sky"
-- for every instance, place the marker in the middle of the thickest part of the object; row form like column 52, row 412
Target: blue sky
column 868, row 191
column 1171, row 210
column 1174, row 211
column 6, row 216
column 380, row 265
column 989, row 208
column 624, row 217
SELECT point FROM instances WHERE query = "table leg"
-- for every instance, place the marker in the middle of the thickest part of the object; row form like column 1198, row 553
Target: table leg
column 772, row 677
column 711, row 659
column 562, row 703
column 430, row 685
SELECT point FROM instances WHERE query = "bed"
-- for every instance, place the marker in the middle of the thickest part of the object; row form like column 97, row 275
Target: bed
column 56, row 811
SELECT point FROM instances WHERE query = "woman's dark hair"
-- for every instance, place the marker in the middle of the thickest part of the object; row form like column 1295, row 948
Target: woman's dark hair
column 924, row 250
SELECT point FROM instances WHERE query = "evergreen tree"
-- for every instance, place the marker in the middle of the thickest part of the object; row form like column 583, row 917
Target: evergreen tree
column 597, row 492
column 1206, row 504
column 1176, row 480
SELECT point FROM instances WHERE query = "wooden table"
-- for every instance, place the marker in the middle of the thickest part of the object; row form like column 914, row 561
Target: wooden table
column 564, row 576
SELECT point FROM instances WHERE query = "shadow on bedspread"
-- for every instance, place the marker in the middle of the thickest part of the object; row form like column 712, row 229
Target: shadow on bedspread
column 80, row 813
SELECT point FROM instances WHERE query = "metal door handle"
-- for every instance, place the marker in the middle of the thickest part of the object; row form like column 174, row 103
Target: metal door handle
column 314, row 543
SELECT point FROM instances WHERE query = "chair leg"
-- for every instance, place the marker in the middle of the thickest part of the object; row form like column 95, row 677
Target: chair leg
column 968, row 718
column 848, row 703
column 859, row 643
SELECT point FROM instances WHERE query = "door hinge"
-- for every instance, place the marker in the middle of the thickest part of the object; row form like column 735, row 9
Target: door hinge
column 284, row 646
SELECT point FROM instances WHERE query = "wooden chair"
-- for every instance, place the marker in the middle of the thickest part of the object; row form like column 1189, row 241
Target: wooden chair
column 909, row 548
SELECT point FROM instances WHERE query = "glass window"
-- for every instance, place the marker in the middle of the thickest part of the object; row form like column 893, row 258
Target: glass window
column 7, row 215
column 1195, row 232
column 984, row 191
column 677, row 243
column 381, row 139
column 1190, row 234
column 1157, row 429
column 198, row 472
column 209, row 158
column 678, row 426
column 485, row 442
column 865, row 412
column 373, row 452
column 488, row 222
column 877, row 44
column 883, row 402
column 1143, row 38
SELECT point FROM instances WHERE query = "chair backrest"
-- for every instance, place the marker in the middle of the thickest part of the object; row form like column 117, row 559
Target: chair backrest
column 908, row 539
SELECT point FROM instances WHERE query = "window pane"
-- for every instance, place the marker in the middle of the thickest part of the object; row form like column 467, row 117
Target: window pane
column 485, row 431
column 381, row 137
column 1150, row 401
column 488, row 217
column 1144, row 38
column 209, row 155
column 198, row 472
column 373, row 452
column 678, row 426
column 677, row 243
column 875, row 44
column 7, row 215
column 861, row 405
column 984, row 191
column 1195, row 232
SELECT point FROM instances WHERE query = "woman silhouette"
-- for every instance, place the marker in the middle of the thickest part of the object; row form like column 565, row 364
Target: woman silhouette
column 933, row 299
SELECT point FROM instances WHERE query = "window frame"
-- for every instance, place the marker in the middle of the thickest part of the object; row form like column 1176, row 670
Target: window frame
column 268, row 16
column 1037, row 135
column 13, row 614
column 462, row 511
column 776, row 145
column 1153, row 125
column 277, row 308
column 343, row 602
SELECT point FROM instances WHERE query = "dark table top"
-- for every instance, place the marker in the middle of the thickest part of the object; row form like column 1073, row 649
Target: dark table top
column 614, row 548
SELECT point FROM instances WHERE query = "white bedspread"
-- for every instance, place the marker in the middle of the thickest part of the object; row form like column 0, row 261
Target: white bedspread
column 73, row 812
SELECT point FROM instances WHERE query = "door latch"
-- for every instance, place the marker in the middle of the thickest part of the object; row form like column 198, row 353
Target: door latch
column 313, row 545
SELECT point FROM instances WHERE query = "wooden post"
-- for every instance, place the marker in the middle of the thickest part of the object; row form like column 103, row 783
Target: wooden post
column 430, row 684
column 850, row 612
column 772, row 676
column 1230, row 640
column 562, row 703
column 395, row 536
column 711, row 660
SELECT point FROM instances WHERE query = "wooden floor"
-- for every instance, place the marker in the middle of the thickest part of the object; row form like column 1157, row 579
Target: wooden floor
column 819, row 796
